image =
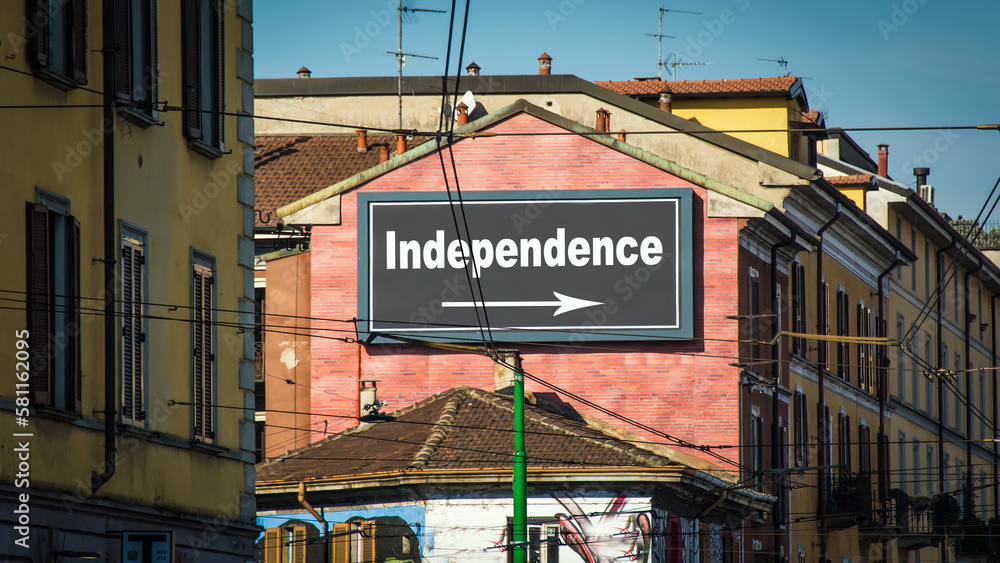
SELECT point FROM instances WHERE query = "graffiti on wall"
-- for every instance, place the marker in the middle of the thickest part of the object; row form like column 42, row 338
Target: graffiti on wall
column 613, row 535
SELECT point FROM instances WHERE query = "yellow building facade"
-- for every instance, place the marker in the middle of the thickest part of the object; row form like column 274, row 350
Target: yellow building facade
column 130, row 218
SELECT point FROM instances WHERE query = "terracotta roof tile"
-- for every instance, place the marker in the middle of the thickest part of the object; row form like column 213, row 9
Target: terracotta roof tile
column 466, row 428
column 290, row 167
column 776, row 85
column 811, row 116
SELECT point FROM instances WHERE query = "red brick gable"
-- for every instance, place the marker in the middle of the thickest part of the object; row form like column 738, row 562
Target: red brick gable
column 686, row 388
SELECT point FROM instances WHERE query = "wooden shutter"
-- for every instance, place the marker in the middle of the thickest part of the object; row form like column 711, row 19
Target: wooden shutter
column 153, row 73
column 203, row 357
column 133, row 337
column 340, row 543
column 191, row 56
column 367, row 554
column 39, row 302
column 221, row 54
column 75, row 327
column 38, row 17
column 272, row 545
column 78, row 19
column 123, row 50
column 298, row 544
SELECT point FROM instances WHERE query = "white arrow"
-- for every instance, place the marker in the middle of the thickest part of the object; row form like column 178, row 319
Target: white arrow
column 564, row 303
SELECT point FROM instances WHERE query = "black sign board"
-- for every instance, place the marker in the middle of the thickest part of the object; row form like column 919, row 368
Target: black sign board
column 563, row 265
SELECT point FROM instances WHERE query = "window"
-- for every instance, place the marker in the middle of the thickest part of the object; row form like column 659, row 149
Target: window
column 954, row 284
column 943, row 365
column 928, row 355
column 133, row 321
column 204, row 72
column 929, row 479
column 983, row 506
column 899, row 237
column 960, row 486
column 136, row 74
column 864, row 448
column 982, row 406
column 57, row 44
column 798, row 308
column 828, row 447
column 866, row 360
column 927, row 269
column 917, row 372
column 53, row 302
column 843, row 348
column 801, row 423
column 917, row 475
column 757, row 449
column 844, row 441
column 900, row 360
column 913, row 267
column 203, row 333
column 901, row 472
column 962, row 392
column 946, row 466
column 754, row 312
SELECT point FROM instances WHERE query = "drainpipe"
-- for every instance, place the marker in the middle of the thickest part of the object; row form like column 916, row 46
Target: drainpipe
column 939, row 307
column 319, row 518
column 883, row 387
column 968, row 386
column 996, row 411
column 776, row 351
column 110, row 243
column 821, row 317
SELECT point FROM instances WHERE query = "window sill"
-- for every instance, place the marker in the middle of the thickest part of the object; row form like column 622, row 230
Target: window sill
column 204, row 149
column 55, row 79
column 54, row 413
column 137, row 116
column 199, row 446
column 136, row 430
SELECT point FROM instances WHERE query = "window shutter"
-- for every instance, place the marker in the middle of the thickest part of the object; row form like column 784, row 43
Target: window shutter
column 38, row 16
column 341, row 543
column 221, row 50
column 123, row 50
column 272, row 545
column 39, row 302
column 203, row 359
column 154, row 72
column 191, row 54
column 367, row 542
column 133, row 339
column 298, row 544
column 78, row 17
column 74, row 347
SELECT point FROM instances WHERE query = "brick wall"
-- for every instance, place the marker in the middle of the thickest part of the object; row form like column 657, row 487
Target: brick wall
column 684, row 388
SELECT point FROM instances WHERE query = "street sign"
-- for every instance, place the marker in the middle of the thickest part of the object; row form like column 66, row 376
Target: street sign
column 562, row 265
column 147, row 547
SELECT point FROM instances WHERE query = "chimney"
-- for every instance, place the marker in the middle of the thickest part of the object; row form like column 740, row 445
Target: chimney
column 545, row 64
column 463, row 113
column 603, row 119
column 503, row 375
column 472, row 69
column 666, row 99
column 883, row 160
column 921, row 175
column 362, row 139
column 383, row 152
column 400, row 143
column 304, row 72
column 621, row 135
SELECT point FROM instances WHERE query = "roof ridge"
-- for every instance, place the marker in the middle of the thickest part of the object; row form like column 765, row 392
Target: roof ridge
column 439, row 432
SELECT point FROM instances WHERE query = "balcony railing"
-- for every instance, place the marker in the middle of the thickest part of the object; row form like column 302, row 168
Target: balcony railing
column 850, row 501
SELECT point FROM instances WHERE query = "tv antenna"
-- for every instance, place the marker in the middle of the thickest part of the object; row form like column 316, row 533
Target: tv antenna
column 675, row 63
column 659, row 39
column 781, row 61
column 406, row 12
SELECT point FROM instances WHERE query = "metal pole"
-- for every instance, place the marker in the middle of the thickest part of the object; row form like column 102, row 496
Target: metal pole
column 659, row 48
column 519, row 536
column 399, row 63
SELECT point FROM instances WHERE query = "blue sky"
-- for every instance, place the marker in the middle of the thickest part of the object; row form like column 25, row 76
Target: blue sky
column 869, row 63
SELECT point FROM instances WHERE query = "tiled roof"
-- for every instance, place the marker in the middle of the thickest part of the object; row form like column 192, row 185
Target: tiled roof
column 775, row 85
column 470, row 429
column 290, row 167
column 851, row 180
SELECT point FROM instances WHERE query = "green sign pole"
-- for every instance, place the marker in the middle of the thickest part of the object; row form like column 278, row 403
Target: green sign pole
column 519, row 537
